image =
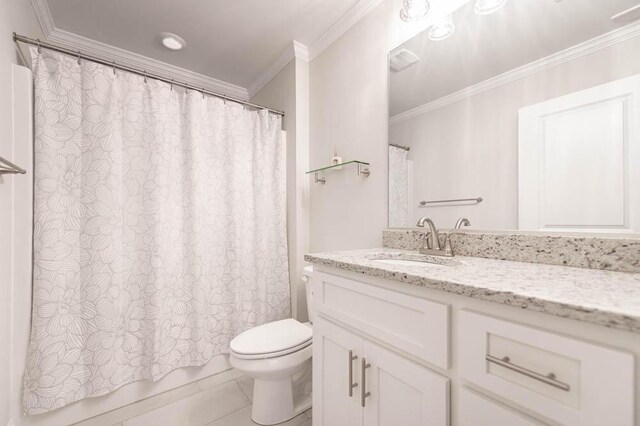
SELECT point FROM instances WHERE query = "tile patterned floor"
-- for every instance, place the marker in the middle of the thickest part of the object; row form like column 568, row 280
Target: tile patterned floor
column 226, row 404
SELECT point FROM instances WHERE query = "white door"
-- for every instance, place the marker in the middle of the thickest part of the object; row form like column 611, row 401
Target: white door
column 579, row 161
column 402, row 392
column 334, row 357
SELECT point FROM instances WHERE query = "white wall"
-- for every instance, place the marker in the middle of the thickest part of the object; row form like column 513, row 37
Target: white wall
column 349, row 109
column 470, row 148
column 288, row 91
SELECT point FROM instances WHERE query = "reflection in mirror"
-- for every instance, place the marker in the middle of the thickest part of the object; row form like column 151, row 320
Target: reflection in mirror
column 530, row 113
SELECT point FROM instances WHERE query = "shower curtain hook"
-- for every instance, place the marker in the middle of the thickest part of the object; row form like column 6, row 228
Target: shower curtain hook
column 145, row 76
column 39, row 48
column 172, row 85
column 203, row 93
column 114, row 67
column 78, row 57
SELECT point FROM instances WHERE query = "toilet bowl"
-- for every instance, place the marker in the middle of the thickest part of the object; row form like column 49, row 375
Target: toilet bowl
column 276, row 355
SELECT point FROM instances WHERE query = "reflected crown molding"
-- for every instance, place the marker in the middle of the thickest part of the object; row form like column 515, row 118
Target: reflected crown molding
column 600, row 42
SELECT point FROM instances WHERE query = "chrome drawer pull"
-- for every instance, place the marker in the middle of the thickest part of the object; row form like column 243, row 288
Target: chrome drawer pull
column 549, row 379
column 352, row 385
column 363, row 391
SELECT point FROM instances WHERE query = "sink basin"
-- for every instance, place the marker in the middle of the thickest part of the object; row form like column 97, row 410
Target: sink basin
column 402, row 259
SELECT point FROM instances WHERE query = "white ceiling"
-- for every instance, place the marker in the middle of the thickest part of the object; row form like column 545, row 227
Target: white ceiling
column 230, row 40
column 486, row 46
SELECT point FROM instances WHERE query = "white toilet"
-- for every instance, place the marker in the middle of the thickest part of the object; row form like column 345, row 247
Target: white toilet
column 277, row 355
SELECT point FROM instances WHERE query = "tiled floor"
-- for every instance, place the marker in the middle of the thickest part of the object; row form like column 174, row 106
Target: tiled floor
column 226, row 404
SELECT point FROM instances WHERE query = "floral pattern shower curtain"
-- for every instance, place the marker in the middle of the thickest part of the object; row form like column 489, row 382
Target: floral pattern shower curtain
column 159, row 229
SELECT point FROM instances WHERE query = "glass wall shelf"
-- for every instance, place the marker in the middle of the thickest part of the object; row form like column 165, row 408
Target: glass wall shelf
column 361, row 168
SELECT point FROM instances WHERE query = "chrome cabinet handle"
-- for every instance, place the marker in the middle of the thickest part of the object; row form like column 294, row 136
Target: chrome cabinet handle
column 352, row 385
column 363, row 391
column 549, row 379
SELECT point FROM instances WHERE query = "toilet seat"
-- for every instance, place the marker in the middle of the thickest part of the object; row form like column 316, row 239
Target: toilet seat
column 272, row 340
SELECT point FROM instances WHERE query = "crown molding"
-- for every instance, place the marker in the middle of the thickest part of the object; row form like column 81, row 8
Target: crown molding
column 295, row 50
column 130, row 59
column 43, row 14
column 600, row 42
column 300, row 51
column 342, row 25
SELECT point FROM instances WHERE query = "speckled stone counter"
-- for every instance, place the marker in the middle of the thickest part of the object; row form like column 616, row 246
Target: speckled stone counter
column 602, row 252
column 607, row 298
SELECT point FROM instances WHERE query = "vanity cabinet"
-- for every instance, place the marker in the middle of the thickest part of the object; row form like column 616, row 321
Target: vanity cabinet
column 381, row 357
column 564, row 379
column 357, row 382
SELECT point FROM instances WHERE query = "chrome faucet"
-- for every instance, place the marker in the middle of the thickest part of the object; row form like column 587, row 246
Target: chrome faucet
column 431, row 243
column 463, row 221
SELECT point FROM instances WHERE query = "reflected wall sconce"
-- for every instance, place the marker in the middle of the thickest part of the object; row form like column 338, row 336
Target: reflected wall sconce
column 442, row 29
column 413, row 10
column 485, row 7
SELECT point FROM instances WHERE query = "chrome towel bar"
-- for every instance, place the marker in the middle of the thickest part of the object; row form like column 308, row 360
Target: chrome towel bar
column 549, row 379
column 477, row 200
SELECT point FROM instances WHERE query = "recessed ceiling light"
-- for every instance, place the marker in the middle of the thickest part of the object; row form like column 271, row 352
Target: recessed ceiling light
column 412, row 10
column 485, row 7
column 442, row 29
column 172, row 41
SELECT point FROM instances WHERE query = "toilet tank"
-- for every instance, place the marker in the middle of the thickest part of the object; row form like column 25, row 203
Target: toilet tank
column 307, row 274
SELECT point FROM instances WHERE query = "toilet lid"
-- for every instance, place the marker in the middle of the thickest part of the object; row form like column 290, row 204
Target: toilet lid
column 272, row 337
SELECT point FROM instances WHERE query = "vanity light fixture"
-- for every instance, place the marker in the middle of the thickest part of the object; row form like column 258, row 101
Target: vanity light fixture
column 413, row 10
column 442, row 29
column 485, row 7
column 172, row 41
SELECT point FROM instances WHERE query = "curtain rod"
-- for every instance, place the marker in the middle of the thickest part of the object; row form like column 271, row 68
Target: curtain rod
column 113, row 64
column 406, row 148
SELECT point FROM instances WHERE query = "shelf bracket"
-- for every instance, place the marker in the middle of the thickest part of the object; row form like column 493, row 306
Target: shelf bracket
column 319, row 179
column 7, row 167
column 363, row 170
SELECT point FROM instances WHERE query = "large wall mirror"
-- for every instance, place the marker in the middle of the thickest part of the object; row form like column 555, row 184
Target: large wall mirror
column 527, row 118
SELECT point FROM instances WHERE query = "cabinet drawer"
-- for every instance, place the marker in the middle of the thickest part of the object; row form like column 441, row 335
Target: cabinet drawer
column 474, row 410
column 413, row 325
column 565, row 380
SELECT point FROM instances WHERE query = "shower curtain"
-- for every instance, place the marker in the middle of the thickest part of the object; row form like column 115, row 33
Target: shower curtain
column 159, row 229
column 399, row 183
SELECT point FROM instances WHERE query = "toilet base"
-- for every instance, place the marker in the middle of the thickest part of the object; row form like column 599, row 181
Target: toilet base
column 273, row 402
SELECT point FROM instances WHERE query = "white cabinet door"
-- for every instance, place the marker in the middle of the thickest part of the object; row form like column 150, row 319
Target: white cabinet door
column 401, row 392
column 332, row 404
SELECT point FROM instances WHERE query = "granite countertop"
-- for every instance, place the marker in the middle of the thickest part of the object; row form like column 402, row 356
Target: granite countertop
column 607, row 298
